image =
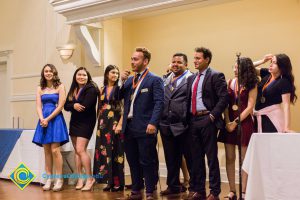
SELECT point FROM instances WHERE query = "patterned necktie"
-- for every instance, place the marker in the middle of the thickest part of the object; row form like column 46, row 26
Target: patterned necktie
column 194, row 95
column 136, row 78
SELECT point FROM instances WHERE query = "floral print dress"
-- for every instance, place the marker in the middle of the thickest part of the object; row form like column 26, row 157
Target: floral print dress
column 109, row 148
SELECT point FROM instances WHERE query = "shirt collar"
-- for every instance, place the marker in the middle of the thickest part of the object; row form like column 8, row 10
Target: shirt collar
column 204, row 72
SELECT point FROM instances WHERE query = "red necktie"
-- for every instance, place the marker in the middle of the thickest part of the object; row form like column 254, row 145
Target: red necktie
column 194, row 95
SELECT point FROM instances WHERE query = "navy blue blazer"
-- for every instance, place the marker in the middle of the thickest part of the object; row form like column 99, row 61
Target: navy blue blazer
column 214, row 95
column 148, row 103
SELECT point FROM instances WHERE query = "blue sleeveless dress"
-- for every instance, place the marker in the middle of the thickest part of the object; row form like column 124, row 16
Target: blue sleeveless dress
column 56, row 131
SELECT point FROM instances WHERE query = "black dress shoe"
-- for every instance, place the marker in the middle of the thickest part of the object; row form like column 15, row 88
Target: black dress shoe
column 128, row 187
column 107, row 188
column 168, row 191
column 183, row 189
column 117, row 189
column 150, row 196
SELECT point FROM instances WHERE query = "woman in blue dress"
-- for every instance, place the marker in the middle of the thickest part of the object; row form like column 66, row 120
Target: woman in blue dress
column 51, row 131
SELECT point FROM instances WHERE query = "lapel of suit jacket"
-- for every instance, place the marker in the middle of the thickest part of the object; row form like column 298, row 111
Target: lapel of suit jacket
column 142, row 84
column 207, row 74
column 168, row 84
column 129, row 82
column 192, row 81
column 169, row 88
column 182, row 83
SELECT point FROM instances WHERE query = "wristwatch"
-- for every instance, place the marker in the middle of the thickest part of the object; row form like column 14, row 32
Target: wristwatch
column 237, row 120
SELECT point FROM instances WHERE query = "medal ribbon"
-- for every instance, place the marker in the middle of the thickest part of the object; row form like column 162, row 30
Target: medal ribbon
column 270, row 80
column 236, row 90
column 143, row 76
column 174, row 82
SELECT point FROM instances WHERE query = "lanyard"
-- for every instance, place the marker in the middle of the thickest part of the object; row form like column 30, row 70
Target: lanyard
column 142, row 77
column 270, row 80
column 236, row 89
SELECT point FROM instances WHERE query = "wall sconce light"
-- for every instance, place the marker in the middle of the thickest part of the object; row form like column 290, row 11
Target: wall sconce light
column 66, row 51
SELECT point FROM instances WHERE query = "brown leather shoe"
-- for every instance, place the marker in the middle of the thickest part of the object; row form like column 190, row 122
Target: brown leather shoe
column 212, row 197
column 195, row 196
column 168, row 191
column 132, row 196
column 149, row 196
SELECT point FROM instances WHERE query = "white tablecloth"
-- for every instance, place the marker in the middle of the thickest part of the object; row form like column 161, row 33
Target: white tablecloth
column 32, row 155
column 273, row 165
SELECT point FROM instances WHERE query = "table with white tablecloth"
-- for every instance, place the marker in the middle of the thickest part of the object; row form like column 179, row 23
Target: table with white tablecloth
column 272, row 162
column 32, row 155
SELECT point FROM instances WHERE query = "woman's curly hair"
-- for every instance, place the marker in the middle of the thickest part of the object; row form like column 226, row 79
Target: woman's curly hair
column 248, row 75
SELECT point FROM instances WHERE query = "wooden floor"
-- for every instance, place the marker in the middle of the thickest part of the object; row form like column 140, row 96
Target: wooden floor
column 9, row 191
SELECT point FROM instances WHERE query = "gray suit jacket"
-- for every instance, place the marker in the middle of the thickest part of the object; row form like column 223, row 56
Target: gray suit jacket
column 175, row 108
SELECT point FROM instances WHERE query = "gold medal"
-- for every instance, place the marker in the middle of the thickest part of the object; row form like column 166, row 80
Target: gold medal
column 235, row 107
column 262, row 99
column 110, row 114
column 131, row 97
column 102, row 97
column 108, row 107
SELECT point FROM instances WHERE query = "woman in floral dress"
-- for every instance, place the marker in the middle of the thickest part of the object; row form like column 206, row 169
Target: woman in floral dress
column 109, row 148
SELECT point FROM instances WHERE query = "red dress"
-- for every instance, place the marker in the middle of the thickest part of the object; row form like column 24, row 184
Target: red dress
column 247, row 124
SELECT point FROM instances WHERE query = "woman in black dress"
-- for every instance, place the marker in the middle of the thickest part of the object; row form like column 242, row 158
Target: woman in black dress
column 276, row 92
column 81, row 102
column 109, row 148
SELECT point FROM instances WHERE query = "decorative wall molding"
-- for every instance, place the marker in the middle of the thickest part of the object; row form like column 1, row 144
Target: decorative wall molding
column 86, row 11
column 5, row 53
column 22, row 97
column 85, row 37
column 22, row 76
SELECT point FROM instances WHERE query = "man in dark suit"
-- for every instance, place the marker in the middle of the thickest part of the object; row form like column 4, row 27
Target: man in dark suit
column 173, row 125
column 143, row 103
column 207, row 99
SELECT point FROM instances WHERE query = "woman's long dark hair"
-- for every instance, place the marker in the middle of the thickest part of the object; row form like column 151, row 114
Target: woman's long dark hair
column 55, row 79
column 248, row 75
column 285, row 67
column 107, row 70
column 74, row 86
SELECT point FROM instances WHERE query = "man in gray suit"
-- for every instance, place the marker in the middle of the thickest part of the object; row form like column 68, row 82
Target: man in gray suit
column 173, row 123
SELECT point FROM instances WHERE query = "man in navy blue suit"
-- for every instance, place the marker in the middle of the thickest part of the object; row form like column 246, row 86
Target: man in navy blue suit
column 143, row 96
column 207, row 99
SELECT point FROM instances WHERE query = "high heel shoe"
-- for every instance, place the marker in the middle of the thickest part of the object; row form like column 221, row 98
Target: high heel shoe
column 47, row 185
column 58, row 185
column 243, row 196
column 79, row 185
column 107, row 188
column 230, row 196
column 117, row 188
column 89, row 185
